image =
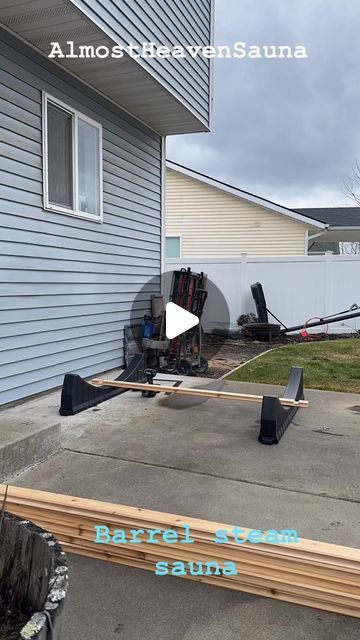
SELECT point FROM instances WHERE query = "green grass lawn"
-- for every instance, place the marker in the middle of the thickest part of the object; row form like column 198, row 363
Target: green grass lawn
column 333, row 365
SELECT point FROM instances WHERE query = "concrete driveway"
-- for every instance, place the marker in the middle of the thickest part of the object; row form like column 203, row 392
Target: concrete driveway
column 202, row 459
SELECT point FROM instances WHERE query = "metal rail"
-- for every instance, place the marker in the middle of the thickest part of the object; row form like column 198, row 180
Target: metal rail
column 322, row 321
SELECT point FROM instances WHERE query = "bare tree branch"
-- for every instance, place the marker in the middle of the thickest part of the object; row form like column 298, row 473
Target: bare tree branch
column 351, row 188
column 351, row 184
column 349, row 248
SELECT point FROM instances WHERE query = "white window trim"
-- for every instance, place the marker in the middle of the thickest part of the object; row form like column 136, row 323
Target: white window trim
column 48, row 206
column 174, row 235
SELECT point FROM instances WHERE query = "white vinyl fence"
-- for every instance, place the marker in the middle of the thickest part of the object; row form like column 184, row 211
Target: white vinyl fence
column 296, row 288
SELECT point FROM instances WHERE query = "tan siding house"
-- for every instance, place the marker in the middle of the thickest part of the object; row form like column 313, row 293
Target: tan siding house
column 204, row 219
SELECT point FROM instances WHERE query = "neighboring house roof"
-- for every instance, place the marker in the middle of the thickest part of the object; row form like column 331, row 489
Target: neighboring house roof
column 250, row 197
column 335, row 217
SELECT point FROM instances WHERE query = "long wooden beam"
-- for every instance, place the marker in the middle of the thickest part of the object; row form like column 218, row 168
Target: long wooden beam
column 308, row 572
column 199, row 393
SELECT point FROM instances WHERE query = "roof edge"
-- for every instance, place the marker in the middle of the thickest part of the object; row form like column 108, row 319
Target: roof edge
column 245, row 195
column 340, row 228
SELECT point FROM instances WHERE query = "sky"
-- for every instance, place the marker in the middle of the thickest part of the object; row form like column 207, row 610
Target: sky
column 287, row 130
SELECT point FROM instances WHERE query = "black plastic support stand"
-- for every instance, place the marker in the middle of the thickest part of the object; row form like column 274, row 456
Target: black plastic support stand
column 78, row 395
column 275, row 418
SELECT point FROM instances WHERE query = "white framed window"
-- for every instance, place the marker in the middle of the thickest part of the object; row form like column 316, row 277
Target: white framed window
column 173, row 246
column 72, row 161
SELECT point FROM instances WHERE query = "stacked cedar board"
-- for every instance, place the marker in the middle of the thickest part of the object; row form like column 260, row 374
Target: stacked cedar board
column 310, row 573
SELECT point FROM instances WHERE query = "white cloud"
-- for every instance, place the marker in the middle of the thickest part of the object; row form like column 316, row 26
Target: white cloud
column 286, row 130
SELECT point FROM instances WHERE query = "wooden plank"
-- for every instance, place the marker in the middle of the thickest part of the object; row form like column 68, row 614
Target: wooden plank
column 223, row 582
column 308, row 572
column 200, row 393
column 323, row 584
column 79, row 526
column 326, row 578
column 105, row 512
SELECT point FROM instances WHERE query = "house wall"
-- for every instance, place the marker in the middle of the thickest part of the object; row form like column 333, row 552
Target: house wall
column 216, row 224
column 67, row 284
column 170, row 23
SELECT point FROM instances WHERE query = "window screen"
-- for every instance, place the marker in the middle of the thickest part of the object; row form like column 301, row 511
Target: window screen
column 59, row 143
column 88, row 167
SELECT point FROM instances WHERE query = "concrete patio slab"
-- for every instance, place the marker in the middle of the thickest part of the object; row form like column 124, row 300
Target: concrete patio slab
column 219, row 438
column 26, row 442
column 190, row 494
column 133, row 605
column 203, row 459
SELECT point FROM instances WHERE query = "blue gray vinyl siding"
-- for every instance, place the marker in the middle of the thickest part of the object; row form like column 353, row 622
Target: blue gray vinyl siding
column 169, row 23
column 67, row 284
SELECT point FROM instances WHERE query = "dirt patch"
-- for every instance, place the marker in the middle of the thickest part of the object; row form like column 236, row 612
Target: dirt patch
column 231, row 353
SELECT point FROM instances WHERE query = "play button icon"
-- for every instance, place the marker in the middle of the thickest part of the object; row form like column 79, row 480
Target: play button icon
column 178, row 320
